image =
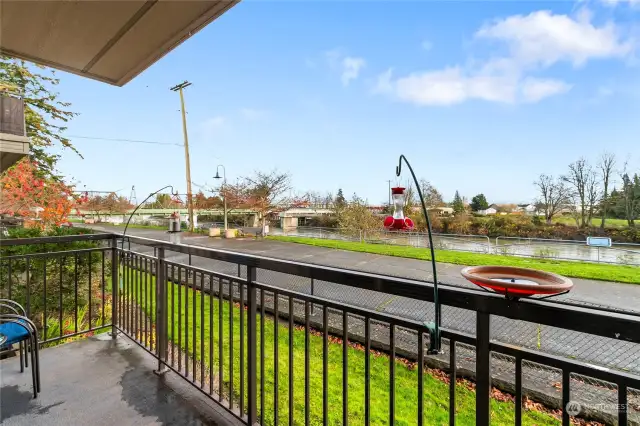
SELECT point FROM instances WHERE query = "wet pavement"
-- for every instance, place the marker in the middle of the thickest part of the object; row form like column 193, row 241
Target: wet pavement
column 100, row 381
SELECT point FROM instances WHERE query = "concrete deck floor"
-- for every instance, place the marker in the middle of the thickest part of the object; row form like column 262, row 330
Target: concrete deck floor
column 99, row 381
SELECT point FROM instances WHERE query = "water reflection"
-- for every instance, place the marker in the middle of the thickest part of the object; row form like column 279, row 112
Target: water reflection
column 625, row 254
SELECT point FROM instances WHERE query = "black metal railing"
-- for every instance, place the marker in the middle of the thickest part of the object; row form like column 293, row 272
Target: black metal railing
column 275, row 354
column 66, row 290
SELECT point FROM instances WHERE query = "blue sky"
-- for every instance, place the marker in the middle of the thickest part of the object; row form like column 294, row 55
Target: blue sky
column 480, row 96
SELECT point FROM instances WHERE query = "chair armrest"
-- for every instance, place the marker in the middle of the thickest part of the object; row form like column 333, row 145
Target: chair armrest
column 21, row 320
column 14, row 303
column 9, row 307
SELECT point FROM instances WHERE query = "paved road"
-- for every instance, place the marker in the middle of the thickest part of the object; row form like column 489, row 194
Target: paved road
column 618, row 295
column 588, row 348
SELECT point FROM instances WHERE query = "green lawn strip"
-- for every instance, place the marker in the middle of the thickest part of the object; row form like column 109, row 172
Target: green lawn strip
column 595, row 271
column 609, row 223
column 435, row 391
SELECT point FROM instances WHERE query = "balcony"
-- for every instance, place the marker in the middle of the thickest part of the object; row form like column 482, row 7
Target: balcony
column 101, row 381
column 14, row 143
column 252, row 340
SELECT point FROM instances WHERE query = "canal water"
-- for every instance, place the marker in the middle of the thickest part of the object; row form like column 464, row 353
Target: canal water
column 624, row 254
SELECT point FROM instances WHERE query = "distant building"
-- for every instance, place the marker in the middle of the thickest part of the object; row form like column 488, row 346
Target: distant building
column 442, row 211
column 528, row 209
column 491, row 210
column 293, row 217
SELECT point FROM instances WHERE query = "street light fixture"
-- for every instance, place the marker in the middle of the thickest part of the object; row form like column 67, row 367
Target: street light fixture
column 224, row 196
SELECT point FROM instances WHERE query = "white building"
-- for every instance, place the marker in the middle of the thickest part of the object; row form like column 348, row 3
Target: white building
column 442, row 211
column 528, row 209
column 491, row 210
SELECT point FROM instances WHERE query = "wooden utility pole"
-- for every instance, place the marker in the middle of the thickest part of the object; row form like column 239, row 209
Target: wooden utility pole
column 178, row 88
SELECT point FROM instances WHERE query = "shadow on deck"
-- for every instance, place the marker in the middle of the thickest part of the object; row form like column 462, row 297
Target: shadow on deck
column 100, row 381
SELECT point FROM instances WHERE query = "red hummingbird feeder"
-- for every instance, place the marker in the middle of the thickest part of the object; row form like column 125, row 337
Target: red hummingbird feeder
column 398, row 222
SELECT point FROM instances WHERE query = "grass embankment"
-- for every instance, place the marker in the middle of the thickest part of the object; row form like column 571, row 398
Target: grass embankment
column 595, row 271
column 609, row 223
column 435, row 391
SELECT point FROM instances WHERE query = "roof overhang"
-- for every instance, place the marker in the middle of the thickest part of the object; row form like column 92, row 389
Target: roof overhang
column 110, row 41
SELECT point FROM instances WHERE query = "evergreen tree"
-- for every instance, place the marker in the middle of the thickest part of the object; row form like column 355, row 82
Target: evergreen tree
column 479, row 202
column 457, row 204
column 340, row 200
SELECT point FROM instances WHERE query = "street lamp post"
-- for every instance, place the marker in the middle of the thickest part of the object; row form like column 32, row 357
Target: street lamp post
column 224, row 196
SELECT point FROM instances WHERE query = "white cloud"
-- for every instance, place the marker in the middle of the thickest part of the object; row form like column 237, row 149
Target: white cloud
column 253, row 114
column 348, row 66
column 614, row 3
column 535, row 89
column 535, row 42
column 443, row 87
column 351, row 69
column 453, row 86
column 542, row 38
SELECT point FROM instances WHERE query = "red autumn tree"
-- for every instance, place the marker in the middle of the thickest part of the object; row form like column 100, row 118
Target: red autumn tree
column 27, row 193
column 202, row 202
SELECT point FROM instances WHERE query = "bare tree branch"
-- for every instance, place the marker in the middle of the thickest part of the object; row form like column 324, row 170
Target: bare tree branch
column 606, row 165
column 554, row 194
column 265, row 191
column 584, row 190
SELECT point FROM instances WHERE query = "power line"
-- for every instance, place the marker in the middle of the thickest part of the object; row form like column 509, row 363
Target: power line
column 124, row 140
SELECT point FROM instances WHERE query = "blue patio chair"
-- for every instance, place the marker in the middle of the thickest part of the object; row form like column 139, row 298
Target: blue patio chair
column 17, row 328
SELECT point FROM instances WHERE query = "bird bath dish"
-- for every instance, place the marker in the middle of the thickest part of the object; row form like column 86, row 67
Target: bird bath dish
column 517, row 282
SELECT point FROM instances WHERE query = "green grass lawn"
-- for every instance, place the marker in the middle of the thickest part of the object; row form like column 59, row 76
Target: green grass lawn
column 595, row 271
column 609, row 223
column 435, row 391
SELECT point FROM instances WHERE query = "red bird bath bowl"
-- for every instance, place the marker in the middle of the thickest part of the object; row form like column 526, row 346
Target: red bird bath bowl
column 517, row 282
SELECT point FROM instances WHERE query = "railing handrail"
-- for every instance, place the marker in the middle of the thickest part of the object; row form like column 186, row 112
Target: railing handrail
column 5, row 242
column 556, row 240
column 582, row 319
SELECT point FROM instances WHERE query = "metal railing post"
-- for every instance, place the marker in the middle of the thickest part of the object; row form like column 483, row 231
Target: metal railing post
column 312, row 293
column 162, row 335
column 115, row 264
column 252, row 370
column 483, row 368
